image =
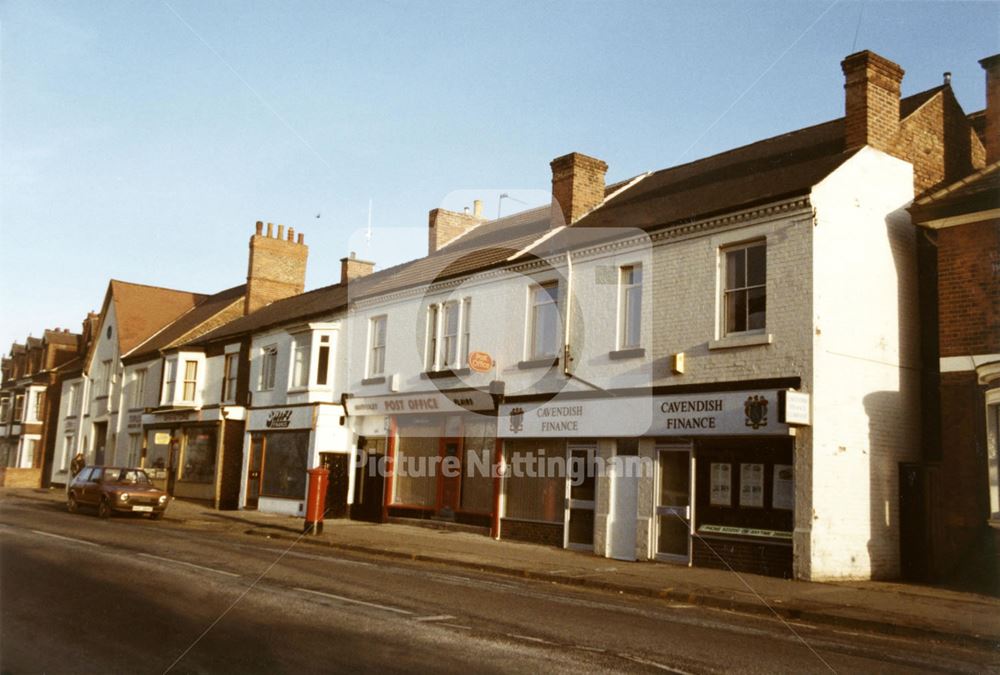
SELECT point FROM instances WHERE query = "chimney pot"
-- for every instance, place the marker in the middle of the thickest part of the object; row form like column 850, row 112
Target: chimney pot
column 991, row 65
column 281, row 231
column 291, row 234
column 302, row 238
column 947, row 77
column 577, row 186
column 270, row 230
column 260, row 227
column 871, row 101
column 477, row 208
column 352, row 268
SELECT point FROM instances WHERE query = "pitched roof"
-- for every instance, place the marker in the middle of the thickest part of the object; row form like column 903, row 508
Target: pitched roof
column 143, row 310
column 61, row 337
column 768, row 170
column 191, row 324
column 977, row 192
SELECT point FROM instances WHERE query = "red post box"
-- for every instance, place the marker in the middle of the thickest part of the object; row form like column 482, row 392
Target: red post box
column 316, row 500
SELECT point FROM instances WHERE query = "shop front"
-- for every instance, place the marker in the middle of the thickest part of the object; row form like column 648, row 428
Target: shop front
column 283, row 443
column 702, row 479
column 435, row 451
column 192, row 454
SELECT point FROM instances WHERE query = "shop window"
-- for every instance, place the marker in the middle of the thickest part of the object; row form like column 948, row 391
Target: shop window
column 415, row 467
column 229, row 372
column 323, row 361
column 199, row 456
column 533, row 491
column 544, row 321
column 301, row 348
column 479, row 447
column 376, row 346
column 268, row 367
column 744, row 296
column 629, row 306
column 157, row 453
column 285, row 463
column 190, row 380
column 138, row 388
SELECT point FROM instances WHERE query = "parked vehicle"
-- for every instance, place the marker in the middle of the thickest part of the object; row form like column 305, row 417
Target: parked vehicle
column 116, row 489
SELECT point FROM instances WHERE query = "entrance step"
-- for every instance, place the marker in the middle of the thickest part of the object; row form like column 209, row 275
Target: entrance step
column 448, row 525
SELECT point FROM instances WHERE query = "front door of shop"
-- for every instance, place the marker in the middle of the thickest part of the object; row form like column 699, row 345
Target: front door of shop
column 369, row 483
column 254, row 466
column 337, row 463
column 673, row 504
column 451, row 478
column 624, row 472
column 581, row 485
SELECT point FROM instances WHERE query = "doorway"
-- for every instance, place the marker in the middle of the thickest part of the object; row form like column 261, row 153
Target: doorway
column 337, row 463
column 255, row 464
column 100, row 441
column 369, row 482
column 581, row 486
column 673, row 504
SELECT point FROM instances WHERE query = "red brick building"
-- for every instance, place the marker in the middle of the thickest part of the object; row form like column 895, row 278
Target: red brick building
column 958, row 486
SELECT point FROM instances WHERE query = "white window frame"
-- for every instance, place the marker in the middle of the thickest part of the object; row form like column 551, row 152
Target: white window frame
column 301, row 366
column 229, row 381
column 626, row 306
column 433, row 332
column 325, row 341
column 746, row 287
column 37, row 398
column 190, row 379
column 377, row 352
column 450, row 340
column 533, row 314
column 268, row 367
column 465, row 331
column 169, row 380
column 138, row 388
column 6, row 409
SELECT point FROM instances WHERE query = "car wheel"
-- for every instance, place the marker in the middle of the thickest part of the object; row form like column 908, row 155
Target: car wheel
column 104, row 509
column 156, row 516
column 71, row 504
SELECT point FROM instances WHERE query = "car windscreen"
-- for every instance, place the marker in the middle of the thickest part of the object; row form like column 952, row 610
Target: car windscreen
column 127, row 476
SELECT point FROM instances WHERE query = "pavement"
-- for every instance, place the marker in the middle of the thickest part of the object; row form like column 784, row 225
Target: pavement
column 905, row 610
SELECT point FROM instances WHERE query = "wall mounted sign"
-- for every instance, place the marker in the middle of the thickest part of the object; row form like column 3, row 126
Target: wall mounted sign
column 744, row 531
column 793, row 407
column 783, row 496
column 135, row 421
column 739, row 413
column 480, row 362
column 752, row 485
column 265, row 419
column 279, row 419
column 449, row 402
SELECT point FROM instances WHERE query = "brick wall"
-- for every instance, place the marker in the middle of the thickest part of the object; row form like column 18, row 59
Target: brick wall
column 969, row 289
column 443, row 226
column 577, row 186
column 549, row 534
column 773, row 560
column 277, row 268
column 871, row 88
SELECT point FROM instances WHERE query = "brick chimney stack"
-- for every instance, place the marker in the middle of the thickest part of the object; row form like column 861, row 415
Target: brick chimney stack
column 871, row 99
column 991, row 65
column 577, row 186
column 351, row 268
column 277, row 267
column 444, row 226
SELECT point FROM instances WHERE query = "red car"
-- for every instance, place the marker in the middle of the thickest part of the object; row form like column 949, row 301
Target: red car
column 115, row 488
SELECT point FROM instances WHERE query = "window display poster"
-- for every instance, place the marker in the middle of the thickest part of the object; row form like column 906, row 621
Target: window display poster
column 721, row 489
column 752, row 485
column 783, row 496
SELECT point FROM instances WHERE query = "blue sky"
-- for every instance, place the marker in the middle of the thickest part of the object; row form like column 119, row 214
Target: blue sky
column 142, row 140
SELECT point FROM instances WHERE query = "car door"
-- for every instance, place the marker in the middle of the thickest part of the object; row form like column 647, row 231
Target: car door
column 91, row 490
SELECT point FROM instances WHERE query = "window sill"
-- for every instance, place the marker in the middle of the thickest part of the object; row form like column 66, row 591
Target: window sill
column 742, row 340
column 548, row 362
column 374, row 380
column 438, row 374
column 622, row 354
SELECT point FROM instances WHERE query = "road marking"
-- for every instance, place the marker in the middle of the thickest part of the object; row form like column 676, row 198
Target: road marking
column 439, row 617
column 654, row 664
column 59, row 536
column 455, row 625
column 187, row 564
column 387, row 608
column 530, row 639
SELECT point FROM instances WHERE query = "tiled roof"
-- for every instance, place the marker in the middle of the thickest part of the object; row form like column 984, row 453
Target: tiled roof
column 142, row 310
column 189, row 325
column 783, row 166
column 979, row 191
column 61, row 337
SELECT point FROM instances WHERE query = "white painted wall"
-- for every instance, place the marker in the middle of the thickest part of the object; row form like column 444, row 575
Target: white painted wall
column 866, row 391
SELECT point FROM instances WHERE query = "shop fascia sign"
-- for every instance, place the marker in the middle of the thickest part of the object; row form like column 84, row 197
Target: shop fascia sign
column 733, row 413
column 447, row 402
column 299, row 417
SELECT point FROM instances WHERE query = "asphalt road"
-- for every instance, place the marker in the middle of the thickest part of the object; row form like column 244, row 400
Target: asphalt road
column 79, row 594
